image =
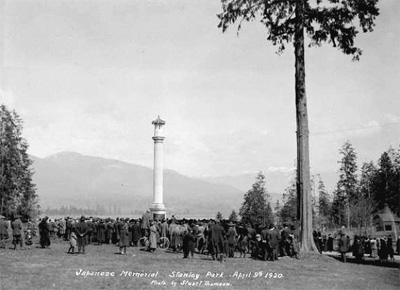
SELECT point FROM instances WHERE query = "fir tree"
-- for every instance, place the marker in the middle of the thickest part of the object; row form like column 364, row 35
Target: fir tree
column 255, row 208
column 17, row 191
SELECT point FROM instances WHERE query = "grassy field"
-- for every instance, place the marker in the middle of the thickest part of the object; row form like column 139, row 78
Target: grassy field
column 53, row 268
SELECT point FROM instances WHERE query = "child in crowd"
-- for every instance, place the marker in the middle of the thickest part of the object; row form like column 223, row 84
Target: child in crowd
column 72, row 242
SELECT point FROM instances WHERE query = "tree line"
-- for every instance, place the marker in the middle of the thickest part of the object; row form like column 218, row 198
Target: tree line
column 358, row 194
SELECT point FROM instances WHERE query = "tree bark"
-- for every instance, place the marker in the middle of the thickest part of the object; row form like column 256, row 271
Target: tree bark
column 303, row 182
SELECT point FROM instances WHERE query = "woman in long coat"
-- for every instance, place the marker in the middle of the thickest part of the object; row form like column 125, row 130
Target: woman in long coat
column 358, row 249
column 101, row 232
column 153, row 237
column 123, row 237
column 44, row 232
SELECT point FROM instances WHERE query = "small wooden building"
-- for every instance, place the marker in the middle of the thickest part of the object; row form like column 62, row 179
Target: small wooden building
column 386, row 222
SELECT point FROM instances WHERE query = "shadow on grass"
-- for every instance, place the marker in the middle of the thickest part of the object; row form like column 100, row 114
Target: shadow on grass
column 370, row 262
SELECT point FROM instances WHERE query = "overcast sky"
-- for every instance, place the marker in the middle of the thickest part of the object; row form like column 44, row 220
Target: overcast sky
column 91, row 76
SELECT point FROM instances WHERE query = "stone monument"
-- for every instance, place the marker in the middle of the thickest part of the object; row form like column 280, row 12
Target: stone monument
column 157, row 208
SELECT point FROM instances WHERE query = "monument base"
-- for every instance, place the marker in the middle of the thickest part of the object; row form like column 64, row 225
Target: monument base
column 158, row 211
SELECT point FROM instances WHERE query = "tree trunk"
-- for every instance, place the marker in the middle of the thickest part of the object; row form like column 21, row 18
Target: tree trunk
column 303, row 184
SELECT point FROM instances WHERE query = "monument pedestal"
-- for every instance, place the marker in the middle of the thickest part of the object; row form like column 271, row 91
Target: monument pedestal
column 158, row 211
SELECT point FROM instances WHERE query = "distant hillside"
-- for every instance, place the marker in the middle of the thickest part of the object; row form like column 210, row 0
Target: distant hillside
column 73, row 179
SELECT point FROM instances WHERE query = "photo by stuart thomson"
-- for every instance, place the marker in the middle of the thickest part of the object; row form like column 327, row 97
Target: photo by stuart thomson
column 199, row 144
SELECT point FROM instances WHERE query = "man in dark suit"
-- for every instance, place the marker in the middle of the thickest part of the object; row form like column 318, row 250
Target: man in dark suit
column 217, row 240
column 273, row 242
column 81, row 234
column 90, row 226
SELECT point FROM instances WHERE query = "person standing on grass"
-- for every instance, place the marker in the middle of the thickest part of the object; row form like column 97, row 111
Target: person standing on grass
column 44, row 232
column 81, row 234
column 123, row 236
column 173, row 232
column 294, row 240
column 330, row 243
column 390, row 249
column 109, row 231
column 273, row 242
column 343, row 246
column 374, row 247
column 216, row 245
column 72, row 241
column 382, row 250
column 135, row 233
column 231, row 237
column 90, row 226
column 16, row 226
column 189, row 241
column 358, row 249
column 101, row 232
column 152, row 237
column 146, row 223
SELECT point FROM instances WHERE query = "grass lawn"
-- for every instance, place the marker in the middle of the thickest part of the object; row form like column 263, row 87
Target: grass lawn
column 53, row 268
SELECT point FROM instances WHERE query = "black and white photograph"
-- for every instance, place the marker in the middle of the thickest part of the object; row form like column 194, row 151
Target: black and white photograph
column 199, row 144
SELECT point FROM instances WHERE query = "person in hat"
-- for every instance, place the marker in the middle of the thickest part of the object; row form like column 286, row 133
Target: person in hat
column 81, row 234
column 3, row 231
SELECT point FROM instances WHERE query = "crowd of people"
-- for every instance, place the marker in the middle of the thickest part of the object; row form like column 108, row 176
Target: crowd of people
column 218, row 239
column 374, row 247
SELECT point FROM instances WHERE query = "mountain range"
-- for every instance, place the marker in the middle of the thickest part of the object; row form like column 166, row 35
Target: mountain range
column 72, row 179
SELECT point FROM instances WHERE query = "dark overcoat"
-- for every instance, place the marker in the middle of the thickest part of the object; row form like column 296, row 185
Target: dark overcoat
column 217, row 239
column 81, row 230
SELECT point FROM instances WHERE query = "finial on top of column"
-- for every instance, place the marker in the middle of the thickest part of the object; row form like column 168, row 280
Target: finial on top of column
column 158, row 123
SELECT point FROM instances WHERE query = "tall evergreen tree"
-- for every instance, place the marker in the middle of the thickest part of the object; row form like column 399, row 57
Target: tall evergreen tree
column 368, row 174
column 346, row 188
column 255, row 208
column 324, row 205
column 386, row 183
column 287, row 21
column 17, row 191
